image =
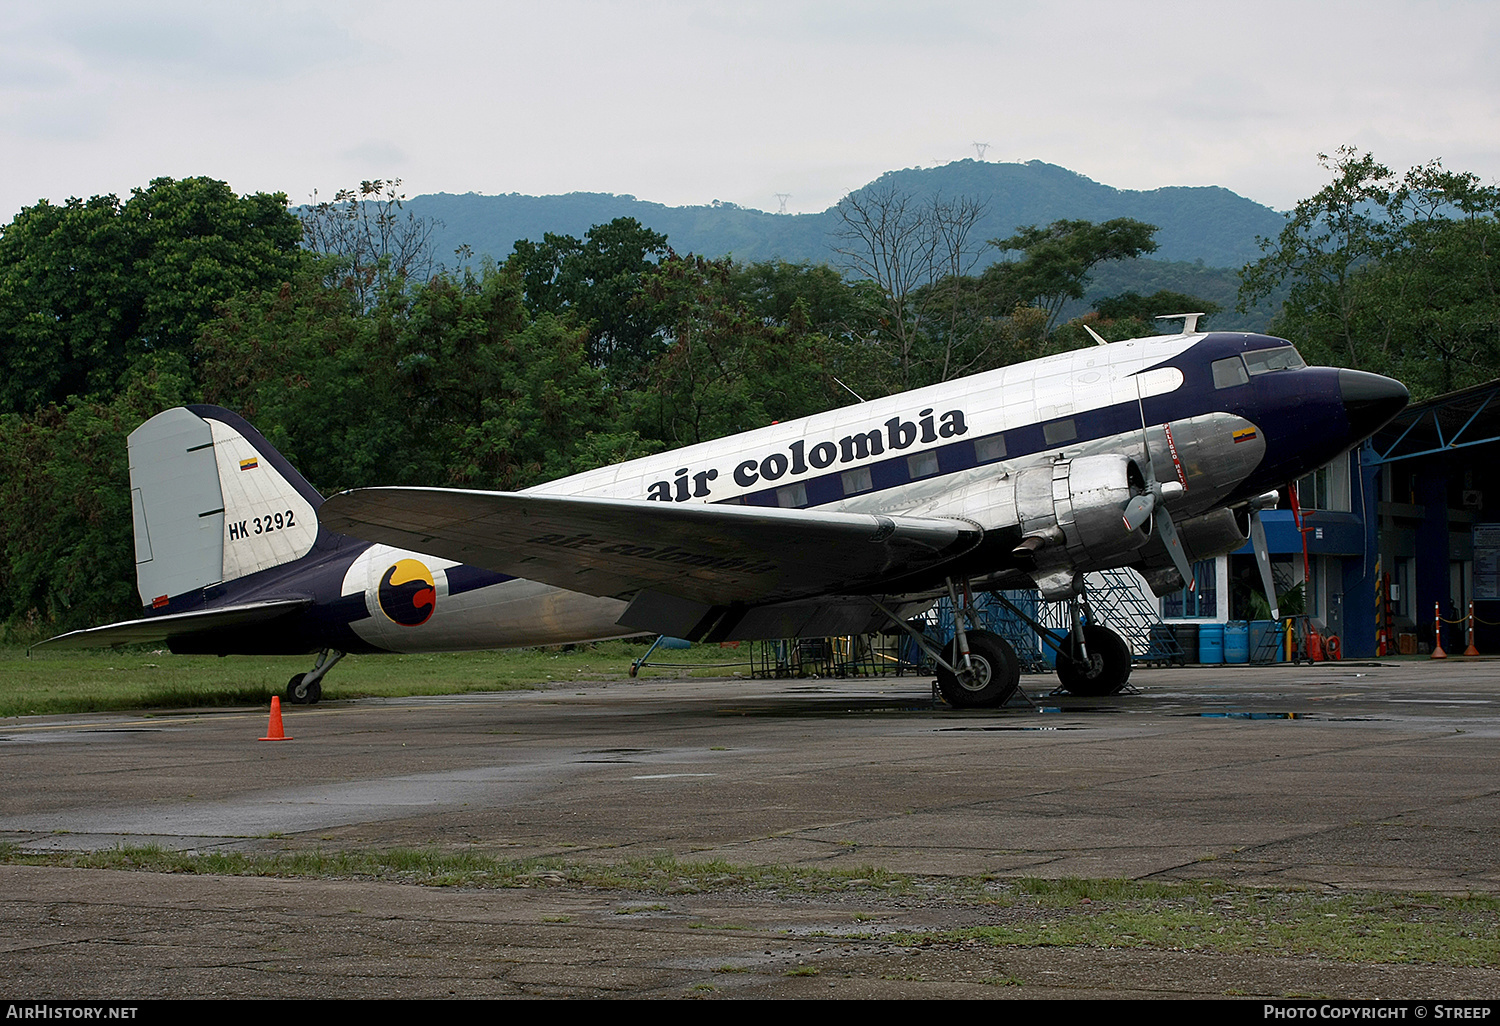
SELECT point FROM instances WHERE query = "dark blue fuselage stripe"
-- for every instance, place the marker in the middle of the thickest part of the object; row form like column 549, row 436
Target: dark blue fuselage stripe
column 1290, row 403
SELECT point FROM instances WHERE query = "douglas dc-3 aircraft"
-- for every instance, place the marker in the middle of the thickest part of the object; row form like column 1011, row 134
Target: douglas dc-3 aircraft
column 1148, row 453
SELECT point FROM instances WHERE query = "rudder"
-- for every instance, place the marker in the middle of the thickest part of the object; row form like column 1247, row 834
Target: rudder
column 212, row 502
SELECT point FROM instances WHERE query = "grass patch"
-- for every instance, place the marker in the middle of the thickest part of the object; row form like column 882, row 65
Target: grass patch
column 1210, row 916
column 427, row 867
column 50, row 683
column 1213, row 916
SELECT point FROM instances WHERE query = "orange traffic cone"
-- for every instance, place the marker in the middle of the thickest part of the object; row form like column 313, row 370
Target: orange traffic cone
column 1471, row 650
column 273, row 729
column 1437, row 634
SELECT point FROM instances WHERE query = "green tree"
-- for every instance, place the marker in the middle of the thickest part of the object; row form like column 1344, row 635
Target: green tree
column 1056, row 261
column 365, row 230
column 65, row 520
column 1327, row 238
column 88, row 288
column 726, row 368
column 444, row 382
column 1394, row 274
column 1131, row 305
column 596, row 279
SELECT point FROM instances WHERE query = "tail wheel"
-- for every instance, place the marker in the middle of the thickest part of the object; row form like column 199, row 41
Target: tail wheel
column 994, row 674
column 1104, row 672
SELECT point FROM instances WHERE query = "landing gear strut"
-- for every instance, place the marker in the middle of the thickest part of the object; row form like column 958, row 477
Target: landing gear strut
column 978, row 670
column 1092, row 660
column 307, row 688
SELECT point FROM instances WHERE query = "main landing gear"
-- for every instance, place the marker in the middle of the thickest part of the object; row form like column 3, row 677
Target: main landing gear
column 1092, row 660
column 307, row 688
column 979, row 670
column 1098, row 667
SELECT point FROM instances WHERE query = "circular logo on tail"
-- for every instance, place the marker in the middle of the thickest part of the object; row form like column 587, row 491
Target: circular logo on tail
column 407, row 593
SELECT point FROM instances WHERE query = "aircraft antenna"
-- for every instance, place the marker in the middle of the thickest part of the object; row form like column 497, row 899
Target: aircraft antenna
column 782, row 197
column 851, row 391
column 979, row 148
column 1189, row 321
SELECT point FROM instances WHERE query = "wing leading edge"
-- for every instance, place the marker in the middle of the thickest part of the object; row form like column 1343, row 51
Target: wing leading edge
column 711, row 554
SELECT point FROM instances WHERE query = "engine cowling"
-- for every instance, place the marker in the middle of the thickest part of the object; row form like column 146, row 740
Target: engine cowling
column 1071, row 517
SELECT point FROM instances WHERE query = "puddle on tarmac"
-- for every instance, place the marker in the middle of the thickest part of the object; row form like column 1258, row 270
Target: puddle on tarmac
column 1009, row 726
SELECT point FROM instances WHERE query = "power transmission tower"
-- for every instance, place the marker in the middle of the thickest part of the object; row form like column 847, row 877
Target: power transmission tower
column 781, row 198
column 980, row 148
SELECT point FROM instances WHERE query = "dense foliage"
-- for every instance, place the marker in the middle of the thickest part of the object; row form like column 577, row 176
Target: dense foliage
column 1395, row 273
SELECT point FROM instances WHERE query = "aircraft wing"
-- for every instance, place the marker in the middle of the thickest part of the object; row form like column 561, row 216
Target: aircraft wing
column 159, row 628
column 716, row 554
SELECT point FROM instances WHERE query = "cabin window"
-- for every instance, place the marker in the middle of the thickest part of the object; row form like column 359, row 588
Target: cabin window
column 922, row 464
column 1230, row 372
column 1265, row 360
column 792, row 496
column 1060, row 431
column 988, row 450
column 855, row 481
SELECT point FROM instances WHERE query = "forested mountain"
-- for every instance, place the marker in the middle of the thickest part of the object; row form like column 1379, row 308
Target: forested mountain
column 1207, row 224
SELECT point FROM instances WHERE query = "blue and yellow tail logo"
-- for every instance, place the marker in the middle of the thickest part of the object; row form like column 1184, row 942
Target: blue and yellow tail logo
column 407, row 593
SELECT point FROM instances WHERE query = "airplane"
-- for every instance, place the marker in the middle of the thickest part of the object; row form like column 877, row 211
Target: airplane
column 1148, row 453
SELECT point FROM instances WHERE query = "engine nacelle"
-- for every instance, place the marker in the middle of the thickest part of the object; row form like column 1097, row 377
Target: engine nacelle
column 1212, row 534
column 1071, row 515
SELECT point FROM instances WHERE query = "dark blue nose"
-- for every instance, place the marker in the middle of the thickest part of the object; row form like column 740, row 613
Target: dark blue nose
column 1370, row 401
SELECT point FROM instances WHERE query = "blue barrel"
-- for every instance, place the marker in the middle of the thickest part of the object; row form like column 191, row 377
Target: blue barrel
column 1237, row 642
column 1211, row 643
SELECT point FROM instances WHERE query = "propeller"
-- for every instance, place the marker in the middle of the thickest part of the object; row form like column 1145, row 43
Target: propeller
column 1150, row 503
column 1262, row 550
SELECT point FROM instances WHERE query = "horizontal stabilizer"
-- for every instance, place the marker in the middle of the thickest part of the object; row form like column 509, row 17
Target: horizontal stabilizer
column 174, row 625
column 710, row 553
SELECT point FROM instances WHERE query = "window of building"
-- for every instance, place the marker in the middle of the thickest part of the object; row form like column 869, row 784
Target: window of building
column 1201, row 602
column 1327, row 488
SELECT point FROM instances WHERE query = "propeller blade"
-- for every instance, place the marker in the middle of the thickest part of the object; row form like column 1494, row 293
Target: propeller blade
column 1263, row 560
column 1169, row 538
column 1138, row 509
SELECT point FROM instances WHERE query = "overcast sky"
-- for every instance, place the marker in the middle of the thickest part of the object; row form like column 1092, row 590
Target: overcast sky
column 687, row 102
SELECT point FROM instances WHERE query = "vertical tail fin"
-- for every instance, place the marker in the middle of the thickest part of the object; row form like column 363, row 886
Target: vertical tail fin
column 213, row 502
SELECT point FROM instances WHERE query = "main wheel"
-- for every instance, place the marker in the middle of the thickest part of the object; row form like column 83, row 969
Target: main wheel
column 299, row 693
column 1104, row 672
column 995, row 673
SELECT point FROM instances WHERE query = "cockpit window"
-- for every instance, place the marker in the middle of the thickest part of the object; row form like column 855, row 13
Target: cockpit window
column 1230, row 372
column 1264, row 361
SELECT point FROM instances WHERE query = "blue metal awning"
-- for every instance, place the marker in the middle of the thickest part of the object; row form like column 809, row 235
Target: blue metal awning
column 1458, row 420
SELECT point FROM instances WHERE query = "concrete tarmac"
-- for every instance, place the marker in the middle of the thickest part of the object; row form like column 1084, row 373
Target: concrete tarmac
column 1346, row 776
